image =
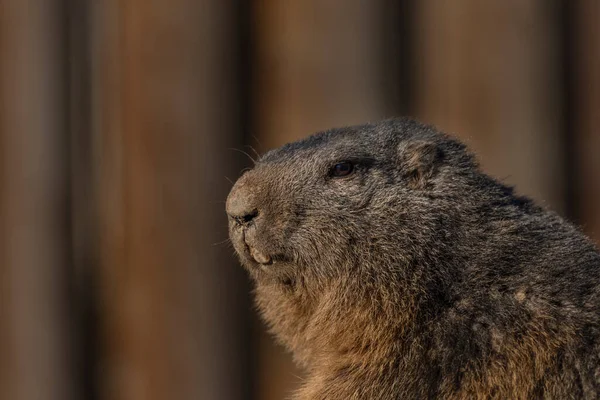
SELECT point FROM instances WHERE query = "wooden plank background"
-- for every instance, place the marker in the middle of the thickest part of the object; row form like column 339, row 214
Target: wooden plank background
column 123, row 122
column 35, row 352
column 488, row 72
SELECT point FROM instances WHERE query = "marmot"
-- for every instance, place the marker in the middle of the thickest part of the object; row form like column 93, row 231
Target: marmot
column 392, row 267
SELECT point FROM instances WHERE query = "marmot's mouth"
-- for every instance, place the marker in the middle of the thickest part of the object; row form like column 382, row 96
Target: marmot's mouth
column 256, row 255
column 254, row 252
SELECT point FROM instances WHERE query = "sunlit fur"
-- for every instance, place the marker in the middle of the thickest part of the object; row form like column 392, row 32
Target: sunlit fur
column 417, row 275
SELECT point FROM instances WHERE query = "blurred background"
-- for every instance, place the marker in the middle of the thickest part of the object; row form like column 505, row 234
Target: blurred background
column 124, row 122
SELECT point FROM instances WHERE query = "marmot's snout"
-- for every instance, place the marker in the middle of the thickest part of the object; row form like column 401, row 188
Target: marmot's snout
column 247, row 223
column 241, row 205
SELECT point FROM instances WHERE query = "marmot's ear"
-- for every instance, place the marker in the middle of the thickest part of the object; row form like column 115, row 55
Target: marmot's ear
column 419, row 162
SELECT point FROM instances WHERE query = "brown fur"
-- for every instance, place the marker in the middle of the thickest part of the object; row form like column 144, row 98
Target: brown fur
column 415, row 275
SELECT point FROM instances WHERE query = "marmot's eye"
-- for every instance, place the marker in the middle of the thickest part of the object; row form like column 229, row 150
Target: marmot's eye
column 343, row 168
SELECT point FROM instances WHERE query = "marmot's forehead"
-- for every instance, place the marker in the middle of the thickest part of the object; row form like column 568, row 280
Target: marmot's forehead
column 316, row 143
column 366, row 138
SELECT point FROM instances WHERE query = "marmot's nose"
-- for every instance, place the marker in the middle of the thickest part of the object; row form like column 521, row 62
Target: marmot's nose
column 241, row 205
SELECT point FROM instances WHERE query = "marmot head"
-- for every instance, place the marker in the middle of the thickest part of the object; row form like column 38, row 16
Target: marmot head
column 350, row 230
column 325, row 205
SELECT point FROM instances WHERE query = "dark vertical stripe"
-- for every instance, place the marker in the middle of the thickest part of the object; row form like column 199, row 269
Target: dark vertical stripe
column 567, row 55
column 83, row 224
column 397, row 75
column 245, row 135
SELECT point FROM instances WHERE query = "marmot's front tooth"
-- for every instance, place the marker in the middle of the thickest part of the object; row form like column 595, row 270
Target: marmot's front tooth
column 260, row 257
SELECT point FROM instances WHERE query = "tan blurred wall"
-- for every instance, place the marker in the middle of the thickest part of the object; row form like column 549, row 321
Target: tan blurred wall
column 35, row 352
column 316, row 68
column 488, row 72
column 586, row 133
column 174, row 303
